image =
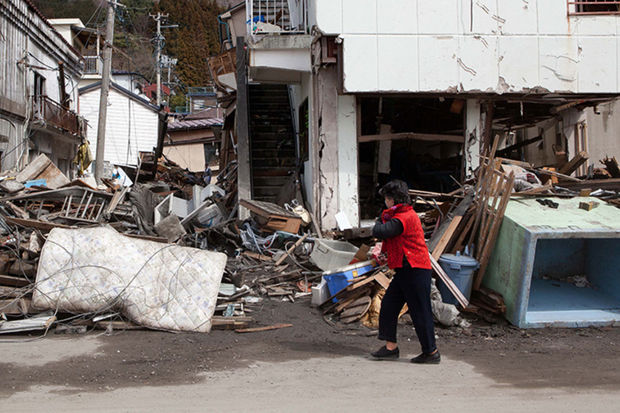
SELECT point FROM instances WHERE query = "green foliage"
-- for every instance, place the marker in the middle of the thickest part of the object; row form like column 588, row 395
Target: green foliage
column 194, row 40
column 191, row 43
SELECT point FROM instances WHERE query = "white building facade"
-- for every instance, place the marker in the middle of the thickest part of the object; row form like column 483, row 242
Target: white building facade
column 39, row 75
column 132, row 124
column 394, row 86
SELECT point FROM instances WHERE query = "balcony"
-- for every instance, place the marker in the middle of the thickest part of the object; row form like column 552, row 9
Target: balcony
column 51, row 113
column 277, row 17
column 92, row 65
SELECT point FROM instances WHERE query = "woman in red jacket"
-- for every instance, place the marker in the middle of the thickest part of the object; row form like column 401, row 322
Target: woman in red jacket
column 403, row 241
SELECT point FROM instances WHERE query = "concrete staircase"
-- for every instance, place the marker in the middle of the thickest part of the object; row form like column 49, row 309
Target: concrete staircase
column 272, row 140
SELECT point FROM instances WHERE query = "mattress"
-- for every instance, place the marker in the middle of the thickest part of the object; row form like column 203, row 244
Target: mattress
column 159, row 286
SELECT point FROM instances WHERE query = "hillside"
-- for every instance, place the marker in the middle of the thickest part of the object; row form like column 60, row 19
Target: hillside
column 191, row 43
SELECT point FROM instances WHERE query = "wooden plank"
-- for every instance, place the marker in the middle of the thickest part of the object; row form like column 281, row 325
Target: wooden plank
column 574, row 163
column 34, row 168
column 449, row 283
column 22, row 214
column 256, row 256
column 446, row 237
column 12, row 292
column 260, row 329
column 11, row 281
column 594, row 184
column 382, row 280
column 290, row 250
column 412, row 135
column 33, row 223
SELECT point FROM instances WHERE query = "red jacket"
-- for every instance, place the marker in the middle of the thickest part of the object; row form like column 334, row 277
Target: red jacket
column 410, row 243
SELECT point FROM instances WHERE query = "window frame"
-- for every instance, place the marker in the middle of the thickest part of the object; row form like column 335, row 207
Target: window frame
column 575, row 7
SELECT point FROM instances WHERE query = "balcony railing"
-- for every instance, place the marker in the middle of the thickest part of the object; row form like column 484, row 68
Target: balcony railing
column 92, row 65
column 277, row 16
column 54, row 114
column 592, row 7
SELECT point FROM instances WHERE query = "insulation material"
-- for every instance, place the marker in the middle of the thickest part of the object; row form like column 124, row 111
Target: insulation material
column 160, row 286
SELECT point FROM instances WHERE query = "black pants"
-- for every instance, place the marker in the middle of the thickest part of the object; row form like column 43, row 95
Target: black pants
column 411, row 286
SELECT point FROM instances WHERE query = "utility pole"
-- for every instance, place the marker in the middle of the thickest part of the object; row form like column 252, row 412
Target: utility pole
column 105, row 89
column 159, row 46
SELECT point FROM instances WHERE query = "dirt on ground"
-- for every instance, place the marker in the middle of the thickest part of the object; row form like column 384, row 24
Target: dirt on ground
column 522, row 358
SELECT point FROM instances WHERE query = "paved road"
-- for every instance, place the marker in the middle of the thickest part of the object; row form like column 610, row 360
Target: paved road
column 310, row 385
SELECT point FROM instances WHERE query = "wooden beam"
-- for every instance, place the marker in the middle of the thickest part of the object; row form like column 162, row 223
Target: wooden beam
column 259, row 329
column 449, row 283
column 574, row 163
column 244, row 172
column 433, row 137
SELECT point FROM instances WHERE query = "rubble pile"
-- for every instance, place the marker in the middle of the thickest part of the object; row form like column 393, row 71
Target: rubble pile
column 275, row 254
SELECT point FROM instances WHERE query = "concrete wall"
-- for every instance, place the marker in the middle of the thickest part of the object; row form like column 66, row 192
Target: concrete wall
column 603, row 132
column 335, row 150
column 131, row 126
column 471, row 46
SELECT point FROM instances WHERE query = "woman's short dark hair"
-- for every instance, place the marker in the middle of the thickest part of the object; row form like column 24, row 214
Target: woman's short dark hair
column 397, row 190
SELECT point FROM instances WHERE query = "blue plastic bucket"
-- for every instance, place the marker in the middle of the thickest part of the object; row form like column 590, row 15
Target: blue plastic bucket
column 460, row 269
column 338, row 280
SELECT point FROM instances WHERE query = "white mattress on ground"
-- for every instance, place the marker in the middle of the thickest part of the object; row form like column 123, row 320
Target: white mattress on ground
column 160, row 286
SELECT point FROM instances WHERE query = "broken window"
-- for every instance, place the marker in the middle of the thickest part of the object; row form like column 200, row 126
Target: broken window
column 593, row 7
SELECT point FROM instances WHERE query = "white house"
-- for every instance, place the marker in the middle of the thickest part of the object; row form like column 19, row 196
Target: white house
column 417, row 89
column 132, row 124
column 39, row 75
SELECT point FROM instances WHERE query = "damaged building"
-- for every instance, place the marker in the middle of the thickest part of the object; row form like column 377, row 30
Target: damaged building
column 349, row 94
column 39, row 76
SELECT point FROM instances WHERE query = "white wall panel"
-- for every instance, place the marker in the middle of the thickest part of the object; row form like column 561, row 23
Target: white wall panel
column 552, row 18
column 485, row 19
column 398, row 63
column 360, row 56
column 518, row 62
column 477, row 62
column 397, row 16
column 438, row 68
column 520, row 16
column 437, row 17
column 359, row 16
column 328, row 16
column 598, row 64
column 522, row 43
column 559, row 59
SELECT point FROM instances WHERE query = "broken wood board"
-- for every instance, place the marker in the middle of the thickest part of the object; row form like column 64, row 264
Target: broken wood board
column 43, row 168
column 434, row 137
column 11, row 281
column 574, row 163
column 33, row 223
column 273, row 217
column 356, row 310
column 260, row 329
column 449, row 283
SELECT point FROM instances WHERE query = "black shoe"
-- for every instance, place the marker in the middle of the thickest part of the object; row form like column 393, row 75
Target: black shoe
column 384, row 354
column 425, row 358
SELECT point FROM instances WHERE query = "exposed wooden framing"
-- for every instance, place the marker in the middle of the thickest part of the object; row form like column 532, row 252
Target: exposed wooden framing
column 411, row 135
